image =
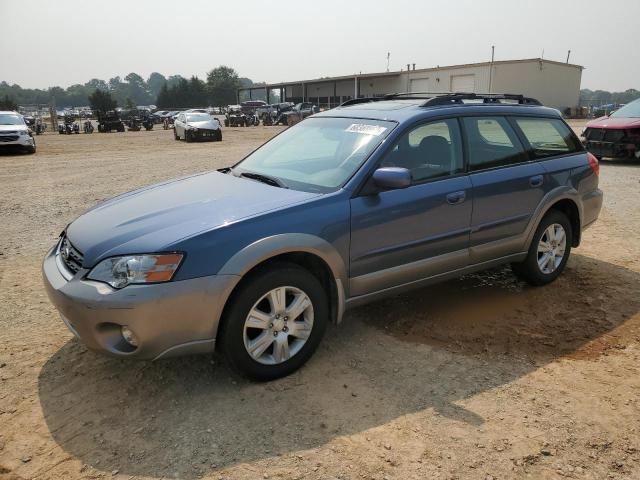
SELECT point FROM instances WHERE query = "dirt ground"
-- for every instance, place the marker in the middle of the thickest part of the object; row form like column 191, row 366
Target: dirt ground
column 477, row 378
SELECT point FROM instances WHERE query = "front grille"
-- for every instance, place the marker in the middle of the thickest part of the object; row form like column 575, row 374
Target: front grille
column 613, row 135
column 8, row 138
column 70, row 256
column 604, row 135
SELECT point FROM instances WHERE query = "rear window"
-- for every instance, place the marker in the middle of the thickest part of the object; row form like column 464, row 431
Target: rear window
column 492, row 143
column 547, row 136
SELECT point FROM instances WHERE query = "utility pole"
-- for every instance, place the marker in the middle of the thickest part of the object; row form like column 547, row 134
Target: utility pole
column 493, row 52
column 388, row 56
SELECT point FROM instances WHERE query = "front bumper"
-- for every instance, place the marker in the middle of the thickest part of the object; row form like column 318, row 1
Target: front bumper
column 204, row 134
column 16, row 140
column 612, row 149
column 168, row 319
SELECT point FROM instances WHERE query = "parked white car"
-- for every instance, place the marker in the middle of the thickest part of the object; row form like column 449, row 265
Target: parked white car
column 191, row 127
column 14, row 132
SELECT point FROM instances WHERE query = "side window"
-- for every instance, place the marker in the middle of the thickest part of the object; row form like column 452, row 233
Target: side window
column 429, row 151
column 547, row 136
column 492, row 143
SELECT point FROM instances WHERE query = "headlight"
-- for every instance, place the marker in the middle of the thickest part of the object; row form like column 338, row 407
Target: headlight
column 122, row 271
column 24, row 132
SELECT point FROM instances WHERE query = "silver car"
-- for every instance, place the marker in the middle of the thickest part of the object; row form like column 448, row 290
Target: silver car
column 14, row 132
column 193, row 126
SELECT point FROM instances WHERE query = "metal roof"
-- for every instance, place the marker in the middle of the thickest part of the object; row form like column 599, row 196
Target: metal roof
column 417, row 70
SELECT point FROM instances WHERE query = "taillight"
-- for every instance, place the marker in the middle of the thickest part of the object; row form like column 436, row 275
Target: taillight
column 593, row 163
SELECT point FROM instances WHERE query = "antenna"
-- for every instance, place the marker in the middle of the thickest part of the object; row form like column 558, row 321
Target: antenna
column 388, row 56
column 568, row 55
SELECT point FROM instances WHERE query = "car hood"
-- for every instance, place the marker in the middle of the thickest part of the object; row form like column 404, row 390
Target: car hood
column 210, row 124
column 12, row 128
column 153, row 218
column 614, row 123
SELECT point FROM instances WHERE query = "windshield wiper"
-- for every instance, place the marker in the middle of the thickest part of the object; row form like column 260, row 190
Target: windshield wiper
column 273, row 181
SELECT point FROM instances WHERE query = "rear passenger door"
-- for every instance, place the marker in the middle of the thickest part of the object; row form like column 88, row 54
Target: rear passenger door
column 507, row 187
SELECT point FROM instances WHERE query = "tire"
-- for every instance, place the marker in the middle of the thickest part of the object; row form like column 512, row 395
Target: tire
column 226, row 123
column 530, row 269
column 299, row 284
column 187, row 136
column 175, row 135
column 219, row 136
column 30, row 150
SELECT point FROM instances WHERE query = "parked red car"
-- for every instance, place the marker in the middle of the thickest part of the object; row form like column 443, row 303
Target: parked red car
column 616, row 135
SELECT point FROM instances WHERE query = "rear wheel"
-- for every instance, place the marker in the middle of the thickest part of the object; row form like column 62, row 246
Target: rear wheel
column 549, row 250
column 275, row 322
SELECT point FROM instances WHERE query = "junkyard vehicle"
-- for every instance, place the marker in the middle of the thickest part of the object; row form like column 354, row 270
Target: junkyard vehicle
column 616, row 135
column 35, row 123
column 87, row 126
column 109, row 121
column 30, row 120
column 235, row 117
column 350, row 205
column 250, row 109
column 274, row 114
column 14, row 132
column 192, row 127
column 69, row 125
column 299, row 112
column 40, row 126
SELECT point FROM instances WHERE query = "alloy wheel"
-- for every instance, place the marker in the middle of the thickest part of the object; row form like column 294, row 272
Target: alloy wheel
column 278, row 325
column 551, row 248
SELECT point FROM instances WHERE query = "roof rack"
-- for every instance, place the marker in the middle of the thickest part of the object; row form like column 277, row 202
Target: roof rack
column 448, row 98
column 459, row 97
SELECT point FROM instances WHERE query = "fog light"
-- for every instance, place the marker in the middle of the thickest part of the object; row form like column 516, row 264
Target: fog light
column 128, row 336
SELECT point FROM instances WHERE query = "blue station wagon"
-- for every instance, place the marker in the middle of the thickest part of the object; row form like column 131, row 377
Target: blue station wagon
column 365, row 200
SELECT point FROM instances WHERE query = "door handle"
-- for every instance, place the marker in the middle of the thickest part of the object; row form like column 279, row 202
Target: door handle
column 536, row 180
column 456, row 197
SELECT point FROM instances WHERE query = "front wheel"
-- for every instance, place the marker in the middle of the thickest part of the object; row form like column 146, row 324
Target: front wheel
column 274, row 323
column 549, row 250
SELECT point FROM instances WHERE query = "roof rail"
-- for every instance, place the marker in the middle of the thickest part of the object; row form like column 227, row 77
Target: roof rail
column 446, row 98
column 356, row 101
column 459, row 97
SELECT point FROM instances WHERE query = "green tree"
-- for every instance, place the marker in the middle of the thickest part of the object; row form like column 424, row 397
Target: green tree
column 223, row 83
column 155, row 82
column 130, row 104
column 101, row 101
column 7, row 103
column 163, row 100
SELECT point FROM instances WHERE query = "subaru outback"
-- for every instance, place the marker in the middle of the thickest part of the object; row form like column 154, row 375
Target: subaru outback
column 366, row 200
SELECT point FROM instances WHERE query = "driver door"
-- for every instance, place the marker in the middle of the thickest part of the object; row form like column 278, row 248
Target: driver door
column 404, row 235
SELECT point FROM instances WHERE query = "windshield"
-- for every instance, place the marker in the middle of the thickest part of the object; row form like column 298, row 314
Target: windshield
column 318, row 154
column 10, row 119
column 198, row 117
column 631, row 110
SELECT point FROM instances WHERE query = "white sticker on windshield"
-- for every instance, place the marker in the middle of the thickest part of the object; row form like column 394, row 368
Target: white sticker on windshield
column 365, row 129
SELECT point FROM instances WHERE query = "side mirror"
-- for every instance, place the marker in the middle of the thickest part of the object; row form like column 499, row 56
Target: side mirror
column 392, row 178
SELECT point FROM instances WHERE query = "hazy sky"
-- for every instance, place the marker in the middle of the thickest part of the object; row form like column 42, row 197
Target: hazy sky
column 45, row 42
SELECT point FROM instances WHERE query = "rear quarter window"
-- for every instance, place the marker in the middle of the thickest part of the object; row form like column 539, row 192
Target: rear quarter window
column 547, row 136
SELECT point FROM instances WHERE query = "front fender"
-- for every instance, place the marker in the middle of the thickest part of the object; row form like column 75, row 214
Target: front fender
column 264, row 249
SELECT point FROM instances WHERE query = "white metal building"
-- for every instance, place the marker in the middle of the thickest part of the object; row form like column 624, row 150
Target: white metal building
column 555, row 84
